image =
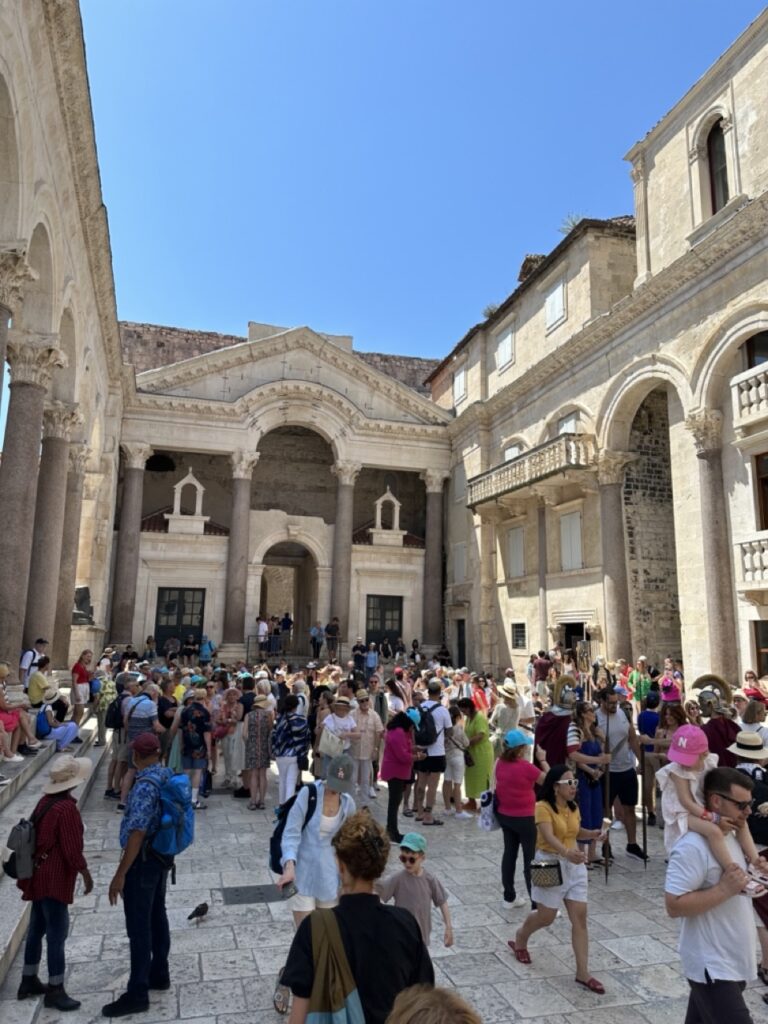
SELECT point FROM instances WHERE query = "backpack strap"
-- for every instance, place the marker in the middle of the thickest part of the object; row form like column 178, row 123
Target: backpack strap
column 311, row 805
column 141, row 696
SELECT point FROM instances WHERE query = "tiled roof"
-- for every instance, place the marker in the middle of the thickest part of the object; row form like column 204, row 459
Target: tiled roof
column 156, row 522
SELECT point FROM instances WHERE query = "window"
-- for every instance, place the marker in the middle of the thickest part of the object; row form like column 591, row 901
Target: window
column 459, row 563
column 512, row 451
column 459, row 482
column 554, row 305
column 519, row 636
column 383, row 618
column 516, row 552
column 459, row 385
column 505, row 348
column 568, row 424
column 718, row 166
column 570, row 541
column 761, row 481
column 756, row 348
column 761, row 644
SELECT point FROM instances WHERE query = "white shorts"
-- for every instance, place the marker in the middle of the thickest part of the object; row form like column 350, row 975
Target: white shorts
column 80, row 693
column 306, row 904
column 574, row 886
column 454, row 769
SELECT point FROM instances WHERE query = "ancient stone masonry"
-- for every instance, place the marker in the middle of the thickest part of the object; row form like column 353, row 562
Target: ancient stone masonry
column 650, row 533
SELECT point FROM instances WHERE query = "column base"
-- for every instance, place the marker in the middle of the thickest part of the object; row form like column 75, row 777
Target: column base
column 228, row 654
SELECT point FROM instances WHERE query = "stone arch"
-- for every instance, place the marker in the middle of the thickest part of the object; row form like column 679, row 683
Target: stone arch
column 10, row 172
column 586, row 420
column 628, row 390
column 332, row 420
column 37, row 311
column 704, row 126
column 295, row 535
column 710, row 374
column 64, row 384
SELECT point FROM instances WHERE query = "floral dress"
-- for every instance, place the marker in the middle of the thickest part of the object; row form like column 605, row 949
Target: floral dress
column 257, row 747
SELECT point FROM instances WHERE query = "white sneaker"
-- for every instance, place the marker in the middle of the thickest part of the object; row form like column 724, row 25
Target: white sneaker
column 449, row 811
column 13, row 759
column 616, row 825
column 519, row 901
column 464, row 816
column 372, row 793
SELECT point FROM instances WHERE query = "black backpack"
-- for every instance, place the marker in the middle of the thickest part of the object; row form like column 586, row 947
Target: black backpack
column 113, row 718
column 426, row 730
column 281, row 818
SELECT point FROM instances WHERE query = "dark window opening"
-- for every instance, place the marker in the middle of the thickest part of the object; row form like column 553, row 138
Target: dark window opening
column 718, row 167
column 761, row 479
column 160, row 462
column 761, row 646
column 757, row 350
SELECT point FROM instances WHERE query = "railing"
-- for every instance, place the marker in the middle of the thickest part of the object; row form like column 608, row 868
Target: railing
column 568, row 451
column 749, row 394
column 752, row 562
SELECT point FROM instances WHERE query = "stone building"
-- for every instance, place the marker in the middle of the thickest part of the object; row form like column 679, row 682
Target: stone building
column 589, row 464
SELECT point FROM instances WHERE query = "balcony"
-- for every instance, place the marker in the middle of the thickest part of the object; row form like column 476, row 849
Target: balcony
column 563, row 454
column 751, row 559
column 749, row 395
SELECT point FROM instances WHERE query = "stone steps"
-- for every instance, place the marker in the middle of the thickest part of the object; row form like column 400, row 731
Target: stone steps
column 17, row 801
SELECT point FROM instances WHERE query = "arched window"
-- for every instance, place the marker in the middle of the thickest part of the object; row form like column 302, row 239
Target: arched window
column 718, row 166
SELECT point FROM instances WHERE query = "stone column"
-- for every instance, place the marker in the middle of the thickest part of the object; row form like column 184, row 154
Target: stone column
column 346, row 473
column 618, row 622
column 706, row 427
column 14, row 274
column 59, row 420
column 128, row 540
column 32, row 360
column 70, row 544
column 432, row 614
column 237, row 549
column 541, row 513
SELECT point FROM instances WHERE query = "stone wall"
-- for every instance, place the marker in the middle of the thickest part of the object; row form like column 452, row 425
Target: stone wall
column 650, row 535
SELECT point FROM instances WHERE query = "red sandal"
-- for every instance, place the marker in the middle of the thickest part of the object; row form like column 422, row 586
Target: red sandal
column 521, row 955
column 592, row 984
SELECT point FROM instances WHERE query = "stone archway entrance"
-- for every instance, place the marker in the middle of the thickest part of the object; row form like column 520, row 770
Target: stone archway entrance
column 289, row 583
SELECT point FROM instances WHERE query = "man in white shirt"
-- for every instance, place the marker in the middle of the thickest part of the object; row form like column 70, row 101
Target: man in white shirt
column 623, row 746
column 29, row 661
column 430, row 768
column 717, row 936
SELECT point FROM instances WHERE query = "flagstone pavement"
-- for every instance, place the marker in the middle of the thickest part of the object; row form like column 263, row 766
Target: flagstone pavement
column 224, row 970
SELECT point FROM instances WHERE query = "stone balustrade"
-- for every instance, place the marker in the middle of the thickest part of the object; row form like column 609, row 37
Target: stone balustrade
column 563, row 453
column 752, row 562
column 749, row 394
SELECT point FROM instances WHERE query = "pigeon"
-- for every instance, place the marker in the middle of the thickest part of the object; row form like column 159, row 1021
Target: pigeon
column 198, row 913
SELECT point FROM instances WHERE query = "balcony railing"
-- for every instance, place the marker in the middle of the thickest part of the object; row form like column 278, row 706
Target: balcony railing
column 752, row 563
column 563, row 453
column 749, row 394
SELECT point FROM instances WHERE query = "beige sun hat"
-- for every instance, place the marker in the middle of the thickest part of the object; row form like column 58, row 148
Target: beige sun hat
column 748, row 746
column 508, row 690
column 66, row 773
column 51, row 693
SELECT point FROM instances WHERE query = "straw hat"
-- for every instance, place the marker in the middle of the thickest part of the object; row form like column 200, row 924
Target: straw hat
column 51, row 693
column 748, row 746
column 509, row 690
column 66, row 773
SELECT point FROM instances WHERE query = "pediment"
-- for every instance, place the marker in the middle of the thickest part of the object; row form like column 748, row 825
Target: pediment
column 296, row 359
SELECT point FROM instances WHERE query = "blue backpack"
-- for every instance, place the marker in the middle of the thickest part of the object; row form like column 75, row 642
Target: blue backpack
column 177, row 816
column 42, row 725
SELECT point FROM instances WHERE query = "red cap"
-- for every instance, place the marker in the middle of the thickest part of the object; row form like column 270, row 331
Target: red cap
column 146, row 743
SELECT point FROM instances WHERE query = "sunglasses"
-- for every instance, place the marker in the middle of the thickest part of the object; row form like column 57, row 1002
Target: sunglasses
column 742, row 805
column 408, row 859
column 566, row 782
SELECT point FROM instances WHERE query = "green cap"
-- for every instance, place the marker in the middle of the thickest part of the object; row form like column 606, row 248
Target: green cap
column 414, row 841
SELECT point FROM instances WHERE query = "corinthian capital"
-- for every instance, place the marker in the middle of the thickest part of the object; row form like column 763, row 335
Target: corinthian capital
column 136, row 454
column 706, row 425
column 611, row 466
column 15, row 274
column 60, row 419
column 434, row 480
column 346, row 472
column 78, row 457
column 34, row 357
column 243, row 463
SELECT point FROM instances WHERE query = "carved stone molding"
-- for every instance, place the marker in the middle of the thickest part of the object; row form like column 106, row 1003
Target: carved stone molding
column 242, row 463
column 33, row 358
column 15, row 273
column 638, row 172
column 60, row 419
column 78, row 457
column 434, row 479
column 92, row 486
column 136, row 454
column 706, row 425
column 611, row 466
column 346, row 472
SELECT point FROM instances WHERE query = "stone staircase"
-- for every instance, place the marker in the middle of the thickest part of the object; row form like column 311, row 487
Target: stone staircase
column 18, row 800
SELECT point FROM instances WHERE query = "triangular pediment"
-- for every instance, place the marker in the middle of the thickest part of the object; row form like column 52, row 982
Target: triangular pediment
column 237, row 375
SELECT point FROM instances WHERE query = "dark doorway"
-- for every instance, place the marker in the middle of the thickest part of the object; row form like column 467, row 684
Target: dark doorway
column 761, row 647
column 179, row 613
column 383, row 618
column 574, row 632
column 461, row 643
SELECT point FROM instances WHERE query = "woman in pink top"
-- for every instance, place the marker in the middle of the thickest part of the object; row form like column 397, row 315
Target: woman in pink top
column 669, row 683
column 515, row 808
column 397, row 766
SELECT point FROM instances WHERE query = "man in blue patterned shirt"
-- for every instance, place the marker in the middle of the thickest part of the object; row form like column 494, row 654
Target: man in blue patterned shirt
column 141, row 880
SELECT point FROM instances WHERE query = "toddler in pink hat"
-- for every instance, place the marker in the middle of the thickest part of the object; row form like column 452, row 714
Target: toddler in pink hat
column 682, row 791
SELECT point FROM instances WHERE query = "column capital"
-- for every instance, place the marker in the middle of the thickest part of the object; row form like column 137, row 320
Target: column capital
column 34, row 357
column 638, row 171
column 434, row 479
column 242, row 463
column 706, row 425
column 136, row 453
column 60, row 419
column 15, row 273
column 611, row 466
column 78, row 457
column 346, row 472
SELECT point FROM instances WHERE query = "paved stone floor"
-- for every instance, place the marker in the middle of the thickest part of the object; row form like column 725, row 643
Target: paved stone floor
column 224, row 970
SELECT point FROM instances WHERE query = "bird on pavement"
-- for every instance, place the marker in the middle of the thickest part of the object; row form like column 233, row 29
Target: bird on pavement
column 198, row 913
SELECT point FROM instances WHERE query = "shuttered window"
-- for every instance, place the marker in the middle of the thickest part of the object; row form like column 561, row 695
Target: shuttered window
column 554, row 304
column 570, row 541
column 516, row 552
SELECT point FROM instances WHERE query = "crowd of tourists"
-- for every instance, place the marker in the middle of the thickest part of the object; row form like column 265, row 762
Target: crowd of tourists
column 559, row 760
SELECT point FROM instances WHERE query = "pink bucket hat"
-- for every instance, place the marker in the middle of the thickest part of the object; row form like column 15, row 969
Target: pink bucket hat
column 688, row 743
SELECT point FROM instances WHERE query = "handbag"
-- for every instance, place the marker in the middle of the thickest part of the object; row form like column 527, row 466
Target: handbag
column 487, row 820
column 546, row 874
column 469, row 761
column 330, row 744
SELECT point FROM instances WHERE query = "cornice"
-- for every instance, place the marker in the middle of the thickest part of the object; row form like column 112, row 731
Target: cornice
column 750, row 224
column 188, row 370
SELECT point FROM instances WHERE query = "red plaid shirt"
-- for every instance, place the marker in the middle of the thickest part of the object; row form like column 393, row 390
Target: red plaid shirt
column 59, row 839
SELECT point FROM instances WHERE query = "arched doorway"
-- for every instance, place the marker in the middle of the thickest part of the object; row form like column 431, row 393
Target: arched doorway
column 289, row 584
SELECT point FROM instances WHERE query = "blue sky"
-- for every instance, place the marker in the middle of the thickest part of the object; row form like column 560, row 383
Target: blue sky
column 369, row 168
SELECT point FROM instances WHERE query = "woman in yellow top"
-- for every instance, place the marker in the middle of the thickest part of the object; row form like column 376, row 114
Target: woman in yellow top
column 558, row 830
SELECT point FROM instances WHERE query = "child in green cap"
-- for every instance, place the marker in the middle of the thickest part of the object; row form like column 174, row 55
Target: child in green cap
column 415, row 889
